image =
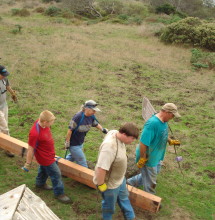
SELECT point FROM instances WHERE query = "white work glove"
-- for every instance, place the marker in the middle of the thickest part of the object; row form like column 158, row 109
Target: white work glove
column 67, row 144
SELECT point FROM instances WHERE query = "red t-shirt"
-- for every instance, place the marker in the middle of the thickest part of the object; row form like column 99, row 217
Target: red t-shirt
column 43, row 143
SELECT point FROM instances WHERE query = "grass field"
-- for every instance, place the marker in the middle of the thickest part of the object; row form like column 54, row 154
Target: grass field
column 57, row 65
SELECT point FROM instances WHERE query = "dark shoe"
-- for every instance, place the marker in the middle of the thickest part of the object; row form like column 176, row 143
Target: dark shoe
column 64, row 176
column 9, row 154
column 64, row 199
column 45, row 186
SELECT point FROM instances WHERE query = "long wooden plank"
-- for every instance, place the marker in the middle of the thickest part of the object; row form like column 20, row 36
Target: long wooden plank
column 138, row 197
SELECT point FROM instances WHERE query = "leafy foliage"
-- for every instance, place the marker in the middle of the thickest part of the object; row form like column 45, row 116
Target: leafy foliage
column 17, row 29
column 20, row 12
column 40, row 10
column 191, row 31
column 52, row 11
column 202, row 59
column 193, row 8
column 166, row 8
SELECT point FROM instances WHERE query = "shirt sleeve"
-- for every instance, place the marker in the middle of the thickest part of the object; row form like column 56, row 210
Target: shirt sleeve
column 95, row 122
column 74, row 121
column 106, row 156
column 33, row 139
column 147, row 134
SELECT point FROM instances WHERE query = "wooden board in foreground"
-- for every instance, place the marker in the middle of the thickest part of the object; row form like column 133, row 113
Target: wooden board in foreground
column 21, row 203
column 139, row 198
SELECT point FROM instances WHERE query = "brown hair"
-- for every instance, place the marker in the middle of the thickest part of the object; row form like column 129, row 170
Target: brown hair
column 46, row 116
column 130, row 129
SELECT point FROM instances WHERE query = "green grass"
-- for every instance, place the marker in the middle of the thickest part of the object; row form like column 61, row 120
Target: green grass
column 58, row 66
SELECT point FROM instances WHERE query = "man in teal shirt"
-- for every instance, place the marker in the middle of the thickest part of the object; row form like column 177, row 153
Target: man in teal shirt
column 152, row 147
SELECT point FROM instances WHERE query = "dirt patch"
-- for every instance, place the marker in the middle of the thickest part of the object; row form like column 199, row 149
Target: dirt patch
column 210, row 174
column 179, row 214
column 186, row 166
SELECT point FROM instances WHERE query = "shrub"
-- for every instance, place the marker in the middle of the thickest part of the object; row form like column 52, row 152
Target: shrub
column 17, row 29
column 190, row 31
column 171, row 19
column 200, row 59
column 135, row 8
column 20, row 12
column 52, row 11
column 109, row 7
column 40, row 10
column 166, row 9
column 67, row 14
column 15, row 11
column 118, row 7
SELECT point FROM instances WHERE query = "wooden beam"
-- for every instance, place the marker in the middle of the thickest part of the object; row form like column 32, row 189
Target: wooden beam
column 138, row 198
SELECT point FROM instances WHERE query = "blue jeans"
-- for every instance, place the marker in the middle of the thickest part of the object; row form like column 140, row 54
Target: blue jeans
column 147, row 178
column 77, row 155
column 119, row 195
column 54, row 173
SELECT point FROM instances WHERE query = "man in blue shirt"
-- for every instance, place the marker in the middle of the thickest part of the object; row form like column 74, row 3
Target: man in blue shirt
column 152, row 147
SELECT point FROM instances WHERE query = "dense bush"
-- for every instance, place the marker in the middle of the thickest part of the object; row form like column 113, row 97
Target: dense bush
column 52, row 11
column 190, row 31
column 67, row 14
column 202, row 59
column 40, row 10
column 109, row 7
column 135, row 8
column 120, row 11
column 20, row 12
column 169, row 20
column 166, row 9
column 118, row 7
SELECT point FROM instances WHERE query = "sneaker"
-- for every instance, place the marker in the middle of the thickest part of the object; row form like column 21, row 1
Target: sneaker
column 63, row 198
column 45, row 186
column 9, row 154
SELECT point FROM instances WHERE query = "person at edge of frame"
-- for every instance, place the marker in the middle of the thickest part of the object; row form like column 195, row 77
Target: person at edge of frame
column 4, row 87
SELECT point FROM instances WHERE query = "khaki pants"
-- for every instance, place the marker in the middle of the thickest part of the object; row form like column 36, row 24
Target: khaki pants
column 4, row 120
column 4, row 126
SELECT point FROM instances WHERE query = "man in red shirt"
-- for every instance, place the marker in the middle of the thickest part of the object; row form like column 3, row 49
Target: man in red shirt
column 41, row 145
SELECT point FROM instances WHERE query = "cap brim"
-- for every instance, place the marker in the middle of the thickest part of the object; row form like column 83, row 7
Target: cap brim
column 177, row 115
column 96, row 109
column 5, row 74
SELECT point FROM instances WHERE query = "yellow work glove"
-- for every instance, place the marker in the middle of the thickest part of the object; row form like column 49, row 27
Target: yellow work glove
column 141, row 162
column 14, row 96
column 102, row 187
column 174, row 142
column 26, row 167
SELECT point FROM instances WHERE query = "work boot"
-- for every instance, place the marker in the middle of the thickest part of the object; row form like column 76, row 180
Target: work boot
column 9, row 154
column 63, row 198
column 45, row 186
